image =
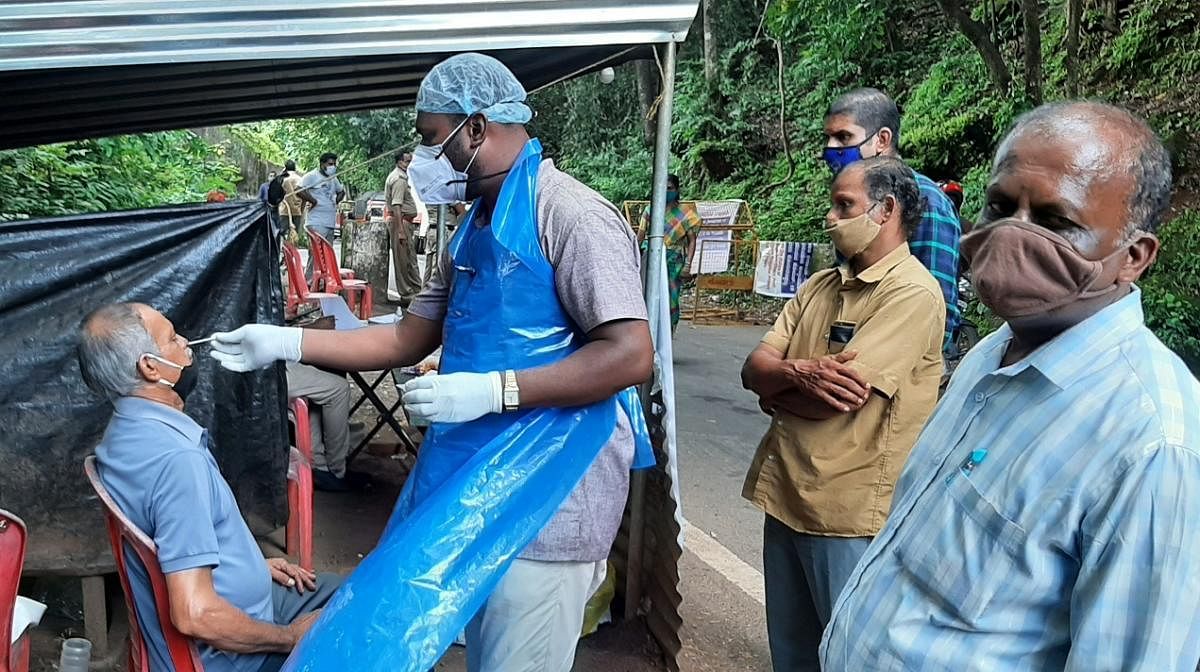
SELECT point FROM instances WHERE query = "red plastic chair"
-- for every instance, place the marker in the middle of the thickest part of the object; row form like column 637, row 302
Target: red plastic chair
column 12, row 558
column 122, row 531
column 336, row 279
column 300, row 488
column 124, row 535
column 297, row 292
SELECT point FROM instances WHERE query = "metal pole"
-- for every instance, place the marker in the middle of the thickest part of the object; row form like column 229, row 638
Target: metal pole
column 654, row 299
column 658, row 197
column 443, row 215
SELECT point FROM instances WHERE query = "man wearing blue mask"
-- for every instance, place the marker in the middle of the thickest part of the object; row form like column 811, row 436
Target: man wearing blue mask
column 865, row 122
column 543, row 329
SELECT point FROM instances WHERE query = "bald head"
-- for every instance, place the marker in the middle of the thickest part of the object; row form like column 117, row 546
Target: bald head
column 1106, row 145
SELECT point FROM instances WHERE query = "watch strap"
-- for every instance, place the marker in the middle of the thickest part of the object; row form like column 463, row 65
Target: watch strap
column 512, row 392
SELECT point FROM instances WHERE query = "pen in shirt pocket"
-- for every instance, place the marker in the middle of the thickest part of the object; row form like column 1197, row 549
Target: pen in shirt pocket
column 968, row 465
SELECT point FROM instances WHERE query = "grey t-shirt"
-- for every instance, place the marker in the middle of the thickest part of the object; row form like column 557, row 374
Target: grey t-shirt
column 596, row 273
column 324, row 190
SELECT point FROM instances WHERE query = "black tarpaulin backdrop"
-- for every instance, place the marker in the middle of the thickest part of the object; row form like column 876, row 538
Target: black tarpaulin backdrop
column 207, row 268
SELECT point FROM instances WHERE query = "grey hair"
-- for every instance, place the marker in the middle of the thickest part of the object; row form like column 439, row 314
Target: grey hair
column 111, row 341
column 885, row 176
column 1150, row 167
column 870, row 108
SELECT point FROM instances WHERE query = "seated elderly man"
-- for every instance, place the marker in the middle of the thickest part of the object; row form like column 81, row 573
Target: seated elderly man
column 155, row 461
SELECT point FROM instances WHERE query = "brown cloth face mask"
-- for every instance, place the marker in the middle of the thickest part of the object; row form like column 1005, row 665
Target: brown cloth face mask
column 852, row 236
column 1020, row 269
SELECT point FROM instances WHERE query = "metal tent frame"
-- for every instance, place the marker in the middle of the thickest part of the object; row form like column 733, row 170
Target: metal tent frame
column 93, row 68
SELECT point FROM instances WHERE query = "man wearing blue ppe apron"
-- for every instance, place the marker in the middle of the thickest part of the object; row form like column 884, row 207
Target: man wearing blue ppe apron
column 540, row 315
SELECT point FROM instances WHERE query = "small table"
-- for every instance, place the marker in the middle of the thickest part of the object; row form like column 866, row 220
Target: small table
column 387, row 414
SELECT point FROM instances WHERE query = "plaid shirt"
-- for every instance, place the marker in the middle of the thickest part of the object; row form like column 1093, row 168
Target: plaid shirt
column 1045, row 520
column 935, row 244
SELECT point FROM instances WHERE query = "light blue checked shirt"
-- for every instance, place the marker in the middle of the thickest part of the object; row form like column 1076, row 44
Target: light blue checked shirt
column 1047, row 519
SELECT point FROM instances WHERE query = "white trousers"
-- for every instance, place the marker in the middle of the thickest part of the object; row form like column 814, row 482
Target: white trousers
column 532, row 621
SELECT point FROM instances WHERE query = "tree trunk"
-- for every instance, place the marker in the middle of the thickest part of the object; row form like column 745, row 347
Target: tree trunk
column 710, row 44
column 365, row 249
column 1032, row 15
column 1074, row 10
column 647, row 84
column 977, row 33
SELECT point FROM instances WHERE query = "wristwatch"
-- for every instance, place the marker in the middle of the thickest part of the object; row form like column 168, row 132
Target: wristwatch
column 512, row 392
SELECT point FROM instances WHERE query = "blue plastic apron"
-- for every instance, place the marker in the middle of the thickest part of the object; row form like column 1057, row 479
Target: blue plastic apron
column 480, row 491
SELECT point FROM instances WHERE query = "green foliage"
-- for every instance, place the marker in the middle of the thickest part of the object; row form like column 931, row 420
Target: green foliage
column 951, row 119
column 1171, row 290
column 630, row 184
column 123, row 172
column 257, row 138
column 729, row 142
column 353, row 137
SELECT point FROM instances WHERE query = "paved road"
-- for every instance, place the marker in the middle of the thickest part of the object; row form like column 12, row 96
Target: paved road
column 718, row 427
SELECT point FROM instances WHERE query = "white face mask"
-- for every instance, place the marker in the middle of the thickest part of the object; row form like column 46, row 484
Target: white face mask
column 434, row 177
column 330, row 171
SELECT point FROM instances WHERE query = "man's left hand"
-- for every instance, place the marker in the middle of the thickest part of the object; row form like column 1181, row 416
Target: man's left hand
column 293, row 576
column 454, row 397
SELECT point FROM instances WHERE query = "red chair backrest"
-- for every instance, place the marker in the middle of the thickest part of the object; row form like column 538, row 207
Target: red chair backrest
column 124, row 535
column 295, row 271
column 12, row 558
column 299, row 408
column 325, row 261
column 299, row 534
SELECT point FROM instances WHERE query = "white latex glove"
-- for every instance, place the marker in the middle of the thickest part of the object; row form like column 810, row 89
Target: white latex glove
column 454, row 397
column 254, row 346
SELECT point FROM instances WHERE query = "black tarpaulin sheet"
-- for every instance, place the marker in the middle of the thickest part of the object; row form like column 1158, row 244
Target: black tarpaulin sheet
column 207, row 268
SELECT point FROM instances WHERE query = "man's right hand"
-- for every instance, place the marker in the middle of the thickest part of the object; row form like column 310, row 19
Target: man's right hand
column 828, row 379
column 255, row 346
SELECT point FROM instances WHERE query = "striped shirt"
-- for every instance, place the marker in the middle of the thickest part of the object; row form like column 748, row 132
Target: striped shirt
column 935, row 244
column 1047, row 518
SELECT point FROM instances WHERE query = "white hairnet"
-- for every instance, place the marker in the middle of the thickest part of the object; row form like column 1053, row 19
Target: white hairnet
column 474, row 83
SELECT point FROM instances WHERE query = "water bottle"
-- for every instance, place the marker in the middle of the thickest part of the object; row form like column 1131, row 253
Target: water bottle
column 76, row 654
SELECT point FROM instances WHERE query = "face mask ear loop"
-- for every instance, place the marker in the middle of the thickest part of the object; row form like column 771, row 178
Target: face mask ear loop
column 466, row 171
column 442, row 146
column 164, row 360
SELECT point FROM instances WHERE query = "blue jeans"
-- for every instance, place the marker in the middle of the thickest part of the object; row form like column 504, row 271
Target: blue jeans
column 804, row 574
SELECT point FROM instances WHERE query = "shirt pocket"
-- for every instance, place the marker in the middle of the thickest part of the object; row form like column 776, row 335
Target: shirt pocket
column 961, row 566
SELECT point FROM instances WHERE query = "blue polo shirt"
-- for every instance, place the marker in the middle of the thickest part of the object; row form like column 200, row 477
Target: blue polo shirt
column 155, row 462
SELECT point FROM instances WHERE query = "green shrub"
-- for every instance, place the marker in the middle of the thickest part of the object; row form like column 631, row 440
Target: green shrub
column 1171, row 289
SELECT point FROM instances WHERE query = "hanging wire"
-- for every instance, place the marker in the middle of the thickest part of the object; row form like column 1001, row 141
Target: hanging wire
column 407, row 147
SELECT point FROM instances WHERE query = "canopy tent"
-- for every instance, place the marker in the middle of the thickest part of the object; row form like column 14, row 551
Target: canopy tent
column 89, row 68
column 77, row 69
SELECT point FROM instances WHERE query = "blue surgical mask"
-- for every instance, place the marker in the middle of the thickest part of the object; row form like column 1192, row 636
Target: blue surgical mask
column 330, row 171
column 433, row 176
column 837, row 158
column 672, row 196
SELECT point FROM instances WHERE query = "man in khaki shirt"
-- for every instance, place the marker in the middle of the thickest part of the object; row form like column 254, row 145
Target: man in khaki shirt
column 403, row 210
column 291, row 210
column 850, row 372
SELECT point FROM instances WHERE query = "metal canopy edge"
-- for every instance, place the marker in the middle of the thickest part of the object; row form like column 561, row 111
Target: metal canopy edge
column 88, row 68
